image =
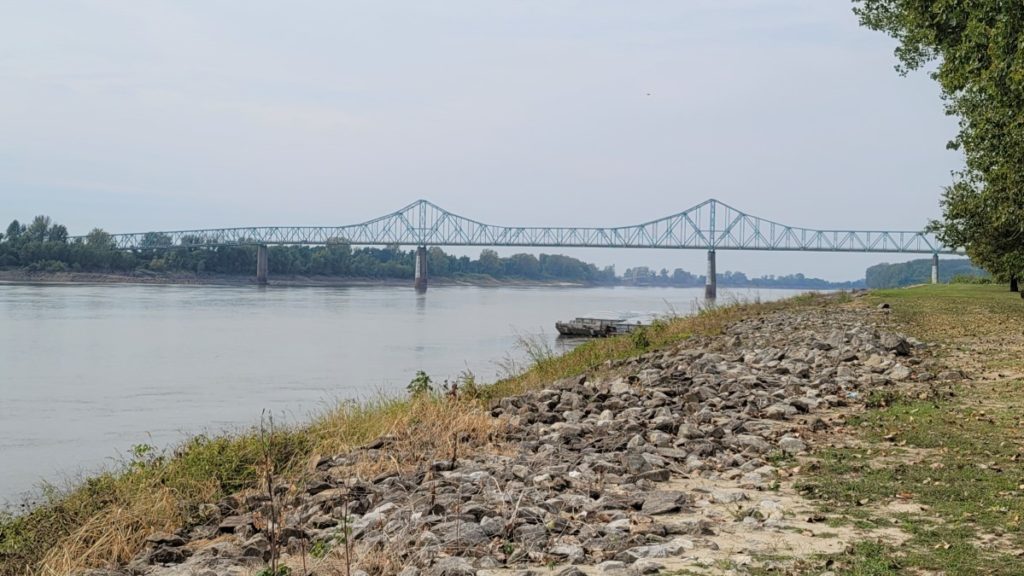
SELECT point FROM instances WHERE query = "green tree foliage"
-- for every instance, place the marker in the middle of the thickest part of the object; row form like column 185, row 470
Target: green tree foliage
column 45, row 246
column 644, row 276
column 57, row 233
column 37, row 230
column 98, row 238
column 919, row 272
column 979, row 63
column 14, row 230
column 50, row 249
column 490, row 264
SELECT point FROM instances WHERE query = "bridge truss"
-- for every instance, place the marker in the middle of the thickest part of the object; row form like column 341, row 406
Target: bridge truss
column 710, row 225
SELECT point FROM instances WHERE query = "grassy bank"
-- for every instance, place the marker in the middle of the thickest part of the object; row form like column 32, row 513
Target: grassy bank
column 943, row 461
column 107, row 518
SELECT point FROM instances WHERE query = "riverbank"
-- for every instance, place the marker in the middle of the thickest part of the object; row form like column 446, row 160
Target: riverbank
column 483, row 280
column 709, row 443
column 181, row 278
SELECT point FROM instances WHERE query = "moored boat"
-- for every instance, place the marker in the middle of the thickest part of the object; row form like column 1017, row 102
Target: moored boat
column 594, row 327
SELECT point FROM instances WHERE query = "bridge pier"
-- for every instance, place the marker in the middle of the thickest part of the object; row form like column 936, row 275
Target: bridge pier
column 262, row 264
column 421, row 269
column 935, row 268
column 711, row 284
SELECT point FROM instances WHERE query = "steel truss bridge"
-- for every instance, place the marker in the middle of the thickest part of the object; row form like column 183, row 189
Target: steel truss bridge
column 710, row 225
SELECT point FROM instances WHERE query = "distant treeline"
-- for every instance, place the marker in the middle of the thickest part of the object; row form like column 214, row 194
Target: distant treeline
column 918, row 272
column 644, row 276
column 44, row 246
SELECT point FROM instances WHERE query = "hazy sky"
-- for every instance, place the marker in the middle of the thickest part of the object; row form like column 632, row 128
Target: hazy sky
column 134, row 116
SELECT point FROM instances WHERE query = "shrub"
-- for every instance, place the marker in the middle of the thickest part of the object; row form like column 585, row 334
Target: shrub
column 970, row 279
column 420, row 384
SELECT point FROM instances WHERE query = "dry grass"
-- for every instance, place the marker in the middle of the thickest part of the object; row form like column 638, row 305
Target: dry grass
column 115, row 534
column 105, row 520
column 418, row 430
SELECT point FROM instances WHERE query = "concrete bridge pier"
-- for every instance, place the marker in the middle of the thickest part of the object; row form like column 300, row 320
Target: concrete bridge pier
column 935, row 268
column 421, row 269
column 711, row 284
column 262, row 264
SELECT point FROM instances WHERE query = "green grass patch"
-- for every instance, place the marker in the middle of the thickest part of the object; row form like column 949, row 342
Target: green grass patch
column 962, row 458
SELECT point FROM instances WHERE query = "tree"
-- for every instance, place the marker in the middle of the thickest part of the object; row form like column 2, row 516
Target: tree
column 14, row 230
column 987, row 228
column 980, row 68
column 57, row 233
column 489, row 263
column 98, row 238
column 523, row 266
column 438, row 263
column 37, row 230
column 155, row 240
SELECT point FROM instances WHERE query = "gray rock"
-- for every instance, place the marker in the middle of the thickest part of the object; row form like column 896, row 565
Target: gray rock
column 570, row 553
column 895, row 344
column 667, row 550
column 755, row 443
column 451, row 567
column 235, row 523
column 612, row 567
column 257, row 547
column 899, row 373
column 663, row 502
column 770, row 510
column 662, row 475
column 645, row 566
column 531, row 535
column 169, row 555
column 487, row 563
column 635, row 463
column 792, row 445
column 728, row 496
column 461, row 534
column 780, row 411
column 492, row 525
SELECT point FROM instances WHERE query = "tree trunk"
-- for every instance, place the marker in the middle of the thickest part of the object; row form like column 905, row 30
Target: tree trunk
column 1013, row 285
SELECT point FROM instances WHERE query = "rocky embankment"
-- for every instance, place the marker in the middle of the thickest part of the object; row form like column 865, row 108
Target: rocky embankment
column 671, row 459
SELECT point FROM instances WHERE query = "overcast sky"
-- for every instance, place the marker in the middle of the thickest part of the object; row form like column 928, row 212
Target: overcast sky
column 135, row 116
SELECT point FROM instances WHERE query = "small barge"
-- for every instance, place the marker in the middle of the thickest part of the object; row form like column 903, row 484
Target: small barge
column 595, row 327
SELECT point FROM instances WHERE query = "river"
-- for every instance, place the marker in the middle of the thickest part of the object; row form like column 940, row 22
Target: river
column 88, row 371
